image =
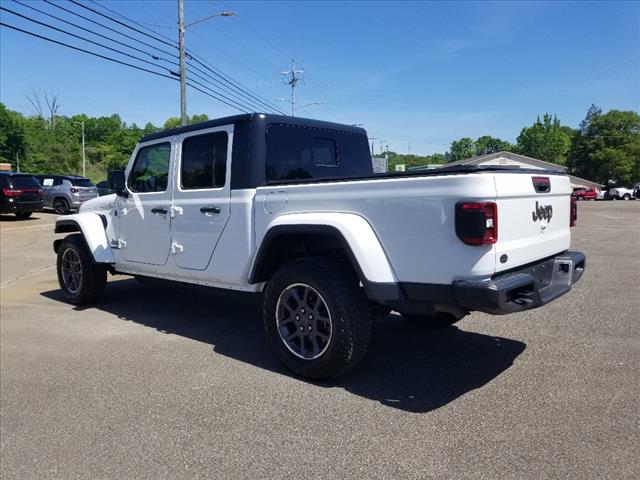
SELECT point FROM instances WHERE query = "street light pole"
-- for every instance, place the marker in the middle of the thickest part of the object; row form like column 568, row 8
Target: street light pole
column 84, row 159
column 183, row 69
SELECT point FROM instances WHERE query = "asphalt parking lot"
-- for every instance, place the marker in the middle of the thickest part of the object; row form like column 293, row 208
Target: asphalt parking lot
column 164, row 382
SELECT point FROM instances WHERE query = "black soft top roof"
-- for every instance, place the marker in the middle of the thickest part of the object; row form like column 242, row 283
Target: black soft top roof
column 266, row 118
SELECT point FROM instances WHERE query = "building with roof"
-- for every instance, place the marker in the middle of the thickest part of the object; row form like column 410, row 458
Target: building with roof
column 522, row 161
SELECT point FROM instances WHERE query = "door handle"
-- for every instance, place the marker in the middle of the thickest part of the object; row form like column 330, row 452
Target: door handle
column 207, row 210
column 159, row 211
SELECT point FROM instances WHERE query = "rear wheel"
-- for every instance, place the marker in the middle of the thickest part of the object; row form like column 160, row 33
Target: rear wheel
column 439, row 320
column 627, row 196
column 81, row 279
column 23, row 215
column 61, row 206
column 317, row 318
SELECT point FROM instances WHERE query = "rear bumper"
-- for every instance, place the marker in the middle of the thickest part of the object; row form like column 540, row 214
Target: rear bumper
column 522, row 289
column 13, row 207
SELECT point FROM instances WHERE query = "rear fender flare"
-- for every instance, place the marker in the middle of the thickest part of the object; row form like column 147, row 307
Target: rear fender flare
column 357, row 235
column 92, row 227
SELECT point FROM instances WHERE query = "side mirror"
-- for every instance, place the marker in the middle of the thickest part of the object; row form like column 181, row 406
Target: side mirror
column 117, row 182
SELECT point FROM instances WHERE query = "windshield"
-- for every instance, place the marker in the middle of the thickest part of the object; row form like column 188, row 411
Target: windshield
column 81, row 182
column 23, row 182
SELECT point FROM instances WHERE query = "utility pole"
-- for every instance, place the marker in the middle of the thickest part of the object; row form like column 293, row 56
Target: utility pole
column 373, row 141
column 18, row 162
column 293, row 81
column 84, row 158
column 183, row 68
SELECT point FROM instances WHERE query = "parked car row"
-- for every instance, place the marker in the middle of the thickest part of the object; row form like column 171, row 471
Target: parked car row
column 23, row 194
column 618, row 193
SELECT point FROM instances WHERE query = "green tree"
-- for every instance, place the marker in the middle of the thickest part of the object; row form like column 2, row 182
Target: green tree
column 12, row 136
column 173, row 122
column 463, row 148
column 488, row 144
column 545, row 140
column 607, row 147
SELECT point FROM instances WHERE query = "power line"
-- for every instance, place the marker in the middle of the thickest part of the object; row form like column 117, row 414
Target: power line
column 217, row 96
column 243, row 91
column 81, row 38
column 85, row 51
column 240, row 88
column 108, row 28
column 171, row 44
column 209, row 79
column 191, row 55
column 140, row 24
column 94, row 33
column 214, row 94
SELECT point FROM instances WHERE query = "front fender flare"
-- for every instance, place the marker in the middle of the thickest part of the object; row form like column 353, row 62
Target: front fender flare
column 357, row 235
column 92, row 227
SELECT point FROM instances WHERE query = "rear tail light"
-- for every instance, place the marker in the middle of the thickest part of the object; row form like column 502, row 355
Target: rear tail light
column 74, row 190
column 573, row 212
column 9, row 192
column 477, row 223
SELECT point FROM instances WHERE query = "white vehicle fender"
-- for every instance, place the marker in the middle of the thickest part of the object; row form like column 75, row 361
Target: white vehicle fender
column 356, row 232
column 93, row 230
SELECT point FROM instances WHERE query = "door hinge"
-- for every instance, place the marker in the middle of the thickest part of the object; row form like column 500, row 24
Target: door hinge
column 175, row 211
column 118, row 244
column 176, row 248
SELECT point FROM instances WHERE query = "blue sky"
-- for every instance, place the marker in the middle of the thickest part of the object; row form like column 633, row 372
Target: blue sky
column 415, row 74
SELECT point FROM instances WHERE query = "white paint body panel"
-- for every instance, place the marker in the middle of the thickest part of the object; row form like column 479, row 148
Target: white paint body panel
column 399, row 229
column 521, row 238
column 94, row 234
column 413, row 218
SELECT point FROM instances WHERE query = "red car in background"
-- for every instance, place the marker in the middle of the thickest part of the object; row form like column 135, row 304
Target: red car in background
column 585, row 194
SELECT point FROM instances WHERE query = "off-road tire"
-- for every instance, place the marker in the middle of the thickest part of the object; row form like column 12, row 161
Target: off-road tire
column 23, row 215
column 93, row 275
column 61, row 206
column 346, row 303
column 439, row 320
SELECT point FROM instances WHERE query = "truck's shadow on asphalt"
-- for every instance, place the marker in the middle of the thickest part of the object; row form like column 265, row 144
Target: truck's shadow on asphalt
column 407, row 368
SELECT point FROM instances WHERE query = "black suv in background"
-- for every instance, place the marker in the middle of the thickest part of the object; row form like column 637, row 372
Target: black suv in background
column 20, row 193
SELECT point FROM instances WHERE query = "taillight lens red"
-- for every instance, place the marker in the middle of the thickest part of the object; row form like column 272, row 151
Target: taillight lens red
column 477, row 222
column 9, row 192
column 74, row 190
column 573, row 214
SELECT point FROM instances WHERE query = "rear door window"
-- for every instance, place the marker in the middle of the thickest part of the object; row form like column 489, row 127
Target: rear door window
column 204, row 161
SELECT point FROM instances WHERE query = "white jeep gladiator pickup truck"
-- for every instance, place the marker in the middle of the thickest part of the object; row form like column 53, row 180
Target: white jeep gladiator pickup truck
column 290, row 207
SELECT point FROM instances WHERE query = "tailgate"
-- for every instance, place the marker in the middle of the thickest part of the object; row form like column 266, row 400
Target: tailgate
column 533, row 216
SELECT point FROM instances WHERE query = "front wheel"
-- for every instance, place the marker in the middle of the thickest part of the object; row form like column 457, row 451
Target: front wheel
column 439, row 320
column 23, row 215
column 316, row 318
column 81, row 280
column 627, row 196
